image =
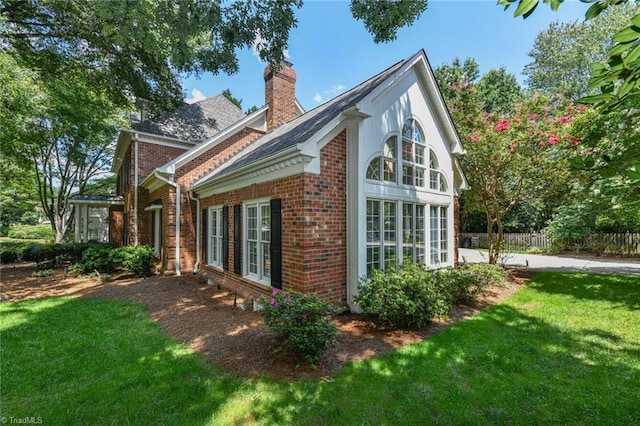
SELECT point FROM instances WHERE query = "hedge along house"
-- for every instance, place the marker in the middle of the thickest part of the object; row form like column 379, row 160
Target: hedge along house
column 312, row 201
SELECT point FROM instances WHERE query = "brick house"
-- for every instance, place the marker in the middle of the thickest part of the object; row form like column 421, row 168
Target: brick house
column 282, row 198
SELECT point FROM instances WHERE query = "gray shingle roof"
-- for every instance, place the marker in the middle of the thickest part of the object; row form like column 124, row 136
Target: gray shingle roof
column 306, row 125
column 194, row 122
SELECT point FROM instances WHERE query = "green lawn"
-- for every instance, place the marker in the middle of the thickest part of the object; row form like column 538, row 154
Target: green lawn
column 564, row 350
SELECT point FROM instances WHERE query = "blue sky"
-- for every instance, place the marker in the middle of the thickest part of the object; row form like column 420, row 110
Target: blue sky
column 332, row 52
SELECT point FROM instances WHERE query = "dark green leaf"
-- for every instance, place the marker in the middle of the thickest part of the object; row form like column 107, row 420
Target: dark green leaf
column 594, row 99
column 594, row 10
column 633, row 55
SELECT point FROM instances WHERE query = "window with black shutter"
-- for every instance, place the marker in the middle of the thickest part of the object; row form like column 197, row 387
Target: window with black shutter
column 276, row 243
column 225, row 237
column 237, row 239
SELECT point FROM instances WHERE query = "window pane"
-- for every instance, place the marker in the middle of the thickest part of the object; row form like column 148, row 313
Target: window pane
column 433, row 179
column 419, row 150
column 266, row 223
column 407, row 223
column 433, row 160
column 407, row 151
column 252, row 249
column 252, row 223
column 390, row 148
column 434, row 222
column 389, row 221
column 373, row 171
column 417, row 133
column 443, row 234
column 389, row 172
column 390, row 258
column 373, row 258
column 373, row 221
column 266, row 260
column 419, row 177
column 407, row 129
column 443, row 183
column 407, row 175
column 419, row 234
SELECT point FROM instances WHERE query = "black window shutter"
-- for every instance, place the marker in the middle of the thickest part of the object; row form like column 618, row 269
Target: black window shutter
column 237, row 239
column 205, row 222
column 276, row 243
column 225, row 237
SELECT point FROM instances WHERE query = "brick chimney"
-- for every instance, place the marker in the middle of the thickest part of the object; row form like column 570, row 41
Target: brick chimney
column 280, row 95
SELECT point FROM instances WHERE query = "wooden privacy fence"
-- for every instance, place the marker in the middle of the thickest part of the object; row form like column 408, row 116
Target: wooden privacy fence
column 622, row 243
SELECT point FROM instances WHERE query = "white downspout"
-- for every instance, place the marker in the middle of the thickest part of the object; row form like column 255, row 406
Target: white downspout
column 135, row 190
column 198, row 219
column 177, row 187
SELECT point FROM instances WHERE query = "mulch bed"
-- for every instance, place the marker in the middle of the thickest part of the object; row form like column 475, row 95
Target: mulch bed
column 213, row 322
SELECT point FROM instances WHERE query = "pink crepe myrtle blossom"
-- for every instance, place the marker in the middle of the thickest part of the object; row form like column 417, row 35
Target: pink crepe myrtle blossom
column 502, row 125
column 553, row 139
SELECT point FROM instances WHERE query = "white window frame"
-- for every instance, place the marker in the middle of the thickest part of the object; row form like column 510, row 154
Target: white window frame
column 382, row 228
column 438, row 235
column 214, row 236
column 261, row 274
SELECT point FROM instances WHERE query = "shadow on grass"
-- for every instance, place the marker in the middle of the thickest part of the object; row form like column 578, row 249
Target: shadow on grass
column 101, row 361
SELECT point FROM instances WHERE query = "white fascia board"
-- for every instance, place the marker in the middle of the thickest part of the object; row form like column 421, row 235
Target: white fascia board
column 98, row 203
column 124, row 140
column 162, row 140
column 152, row 182
column 299, row 108
column 252, row 120
column 281, row 164
column 460, row 180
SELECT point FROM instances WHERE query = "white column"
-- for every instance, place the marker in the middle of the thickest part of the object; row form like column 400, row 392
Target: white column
column 77, row 223
column 85, row 223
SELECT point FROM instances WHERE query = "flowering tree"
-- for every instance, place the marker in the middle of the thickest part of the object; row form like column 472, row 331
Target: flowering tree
column 508, row 154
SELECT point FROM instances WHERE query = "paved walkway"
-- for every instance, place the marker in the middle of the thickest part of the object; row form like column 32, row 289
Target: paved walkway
column 558, row 263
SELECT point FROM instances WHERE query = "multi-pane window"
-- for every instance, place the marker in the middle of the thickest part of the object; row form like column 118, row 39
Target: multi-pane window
column 413, row 237
column 391, row 241
column 436, row 177
column 384, row 168
column 439, row 235
column 215, row 237
column 258, row 241
column 413, row 154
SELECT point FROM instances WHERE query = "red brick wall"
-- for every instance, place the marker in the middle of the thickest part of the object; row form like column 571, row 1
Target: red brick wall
column 192, row 171
column 151, row 156
column 314, row 228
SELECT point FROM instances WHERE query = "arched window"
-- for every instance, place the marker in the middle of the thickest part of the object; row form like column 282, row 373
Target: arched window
column 436, row 177
column 413, row 154
column 384, row 168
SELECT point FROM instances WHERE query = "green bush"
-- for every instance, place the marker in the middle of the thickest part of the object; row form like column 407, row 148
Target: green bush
column 139, row 260
column 466, row 283
column 42, row 273
column 408, row 297
column 303, row 320
column 30, row 232
column 10, row 253
column 103, row 258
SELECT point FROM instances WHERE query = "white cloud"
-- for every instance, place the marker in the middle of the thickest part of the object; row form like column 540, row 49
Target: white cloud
column 196, row 96
column 329, row 93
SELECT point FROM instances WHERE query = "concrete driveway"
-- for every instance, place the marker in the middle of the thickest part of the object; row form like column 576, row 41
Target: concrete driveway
column 564, row 263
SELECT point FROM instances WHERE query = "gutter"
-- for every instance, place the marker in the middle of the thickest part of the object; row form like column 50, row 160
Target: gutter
column 135, row 190
column 177, row 187
column 196, row 267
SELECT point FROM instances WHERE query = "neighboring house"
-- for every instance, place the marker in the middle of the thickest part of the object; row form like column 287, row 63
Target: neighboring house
column 286, row 199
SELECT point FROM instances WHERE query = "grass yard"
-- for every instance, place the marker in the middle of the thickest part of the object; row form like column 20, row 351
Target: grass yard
column 565, row 349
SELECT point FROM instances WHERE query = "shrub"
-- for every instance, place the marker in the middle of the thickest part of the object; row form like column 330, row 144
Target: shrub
column 303, row 320
column 42, row 273
column 103, row 258
column 10, row 253
column 37, row 252
column 31, row 232
column 139, row 260
column 466, row 283
column 409, row 297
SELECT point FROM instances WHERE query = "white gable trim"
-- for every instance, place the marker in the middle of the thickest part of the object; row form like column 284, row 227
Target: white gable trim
column 255, row 120
column 124, row 141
